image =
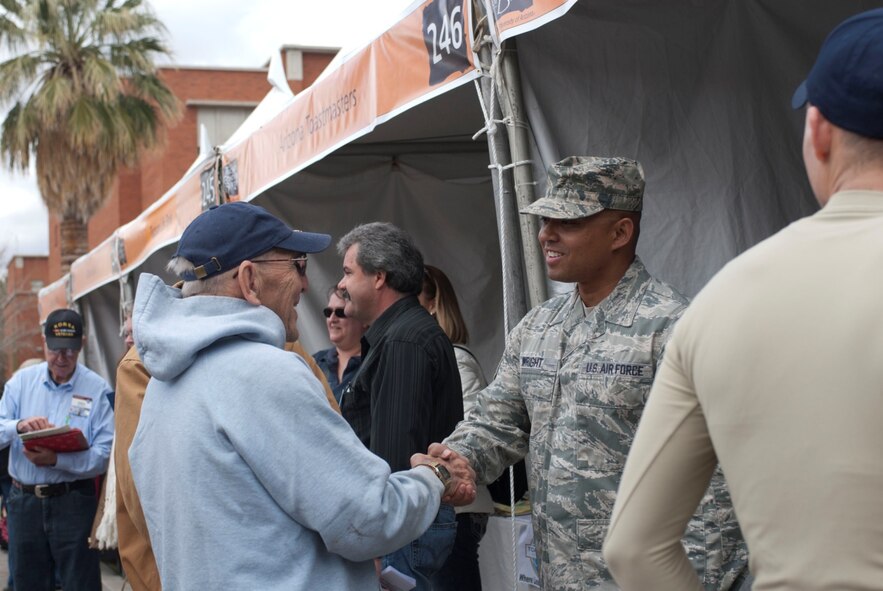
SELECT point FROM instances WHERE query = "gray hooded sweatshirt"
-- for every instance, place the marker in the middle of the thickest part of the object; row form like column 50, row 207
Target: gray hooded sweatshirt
column 248, row 479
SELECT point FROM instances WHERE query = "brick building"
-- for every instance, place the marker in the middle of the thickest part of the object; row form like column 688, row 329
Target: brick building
column 219, row 99
column 20, row 339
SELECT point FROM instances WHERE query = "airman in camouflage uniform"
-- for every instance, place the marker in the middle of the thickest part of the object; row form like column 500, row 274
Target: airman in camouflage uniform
column 571, row 387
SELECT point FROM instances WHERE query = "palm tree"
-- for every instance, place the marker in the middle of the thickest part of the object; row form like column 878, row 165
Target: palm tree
column 86, row 99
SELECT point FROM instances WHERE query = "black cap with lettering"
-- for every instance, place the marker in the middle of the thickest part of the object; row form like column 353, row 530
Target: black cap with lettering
column 64, row 330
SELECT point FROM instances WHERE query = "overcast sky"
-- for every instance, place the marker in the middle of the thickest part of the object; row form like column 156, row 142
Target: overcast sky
column 211, row 32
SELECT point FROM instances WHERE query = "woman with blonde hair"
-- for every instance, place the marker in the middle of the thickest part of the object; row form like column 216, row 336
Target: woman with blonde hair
column 439, row 298
column 460, row 571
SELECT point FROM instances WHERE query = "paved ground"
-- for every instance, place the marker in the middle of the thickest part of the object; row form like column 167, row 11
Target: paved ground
column 110, row 578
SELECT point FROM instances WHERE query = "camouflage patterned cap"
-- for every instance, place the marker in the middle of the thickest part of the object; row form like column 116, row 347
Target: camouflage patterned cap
column 581, row 186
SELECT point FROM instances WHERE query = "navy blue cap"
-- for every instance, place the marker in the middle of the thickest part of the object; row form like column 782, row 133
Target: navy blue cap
column 846, row 82
column 225, row 235
column 63, row 330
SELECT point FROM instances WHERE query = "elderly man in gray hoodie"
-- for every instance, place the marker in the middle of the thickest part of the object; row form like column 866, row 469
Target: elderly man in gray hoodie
column 237, row 449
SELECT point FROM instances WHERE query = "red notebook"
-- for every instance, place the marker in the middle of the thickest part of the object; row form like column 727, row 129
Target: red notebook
column 58, row 439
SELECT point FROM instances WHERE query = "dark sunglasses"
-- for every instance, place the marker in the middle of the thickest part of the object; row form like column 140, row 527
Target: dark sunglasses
column 299, row 263
column 336, row 311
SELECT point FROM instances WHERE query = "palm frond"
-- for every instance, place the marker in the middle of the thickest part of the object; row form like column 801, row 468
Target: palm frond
column 12, row 34
column 139, row 119
column 135, row 55
column 55, row 97
column 100, row 78
column 15, row 140
column 11, row 6
column 84, row 123
column 124, row 22
column 152, row 89
column 17, row 74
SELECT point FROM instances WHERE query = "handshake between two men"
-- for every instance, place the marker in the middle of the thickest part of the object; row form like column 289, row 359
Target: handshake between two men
column 453, row 470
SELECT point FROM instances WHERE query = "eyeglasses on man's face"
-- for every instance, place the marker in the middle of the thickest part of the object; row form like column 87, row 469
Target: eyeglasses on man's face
column 299, row 263
column 336, row 311
column 66, row 352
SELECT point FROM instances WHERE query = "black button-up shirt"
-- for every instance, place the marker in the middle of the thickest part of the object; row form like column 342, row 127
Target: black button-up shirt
column 407, row 393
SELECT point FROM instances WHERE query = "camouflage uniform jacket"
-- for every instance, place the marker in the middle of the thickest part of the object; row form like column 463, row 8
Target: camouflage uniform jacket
column 569, row 392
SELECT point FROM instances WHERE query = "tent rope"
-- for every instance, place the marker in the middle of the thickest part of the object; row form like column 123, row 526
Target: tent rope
column 491, row 128
column 513, row 165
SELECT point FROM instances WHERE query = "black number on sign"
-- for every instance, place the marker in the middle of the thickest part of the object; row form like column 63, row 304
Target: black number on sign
column 445, row 39
column 450, row 36
column 207, row 187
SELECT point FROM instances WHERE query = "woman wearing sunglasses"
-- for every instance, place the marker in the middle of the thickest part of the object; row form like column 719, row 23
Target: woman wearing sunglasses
column 341, row 362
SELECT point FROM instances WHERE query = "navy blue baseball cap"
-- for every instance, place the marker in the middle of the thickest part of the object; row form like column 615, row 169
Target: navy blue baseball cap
column 225, row 235
column 846, row 82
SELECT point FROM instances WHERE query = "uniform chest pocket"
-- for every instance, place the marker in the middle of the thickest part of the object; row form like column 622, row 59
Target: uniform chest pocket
column 537, row 385
column 615, row 384
column 537, row 376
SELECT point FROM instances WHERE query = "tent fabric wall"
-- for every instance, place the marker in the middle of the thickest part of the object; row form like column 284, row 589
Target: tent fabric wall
column 101, row 325
column 443, row 200
column 101, row 313
column 699, row 92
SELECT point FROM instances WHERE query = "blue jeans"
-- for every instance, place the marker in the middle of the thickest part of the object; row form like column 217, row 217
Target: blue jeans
column 460, row 571
column 51, row 533
column 423, row 557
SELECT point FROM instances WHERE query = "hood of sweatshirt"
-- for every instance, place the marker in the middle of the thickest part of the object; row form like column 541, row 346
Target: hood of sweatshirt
column 171, row 330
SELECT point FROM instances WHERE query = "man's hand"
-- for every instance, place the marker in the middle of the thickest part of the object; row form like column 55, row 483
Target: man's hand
column 459, row 467
column 461, row 489
column 41, row 456
column 33, row 424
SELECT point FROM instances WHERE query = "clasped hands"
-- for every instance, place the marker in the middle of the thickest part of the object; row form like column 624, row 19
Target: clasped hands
column 461, row 489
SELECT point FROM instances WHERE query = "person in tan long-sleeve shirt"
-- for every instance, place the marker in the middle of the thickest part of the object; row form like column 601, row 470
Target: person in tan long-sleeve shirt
column 135, row 550
column 775, row 371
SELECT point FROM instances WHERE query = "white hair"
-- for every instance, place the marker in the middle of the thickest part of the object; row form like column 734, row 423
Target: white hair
column 213, row 285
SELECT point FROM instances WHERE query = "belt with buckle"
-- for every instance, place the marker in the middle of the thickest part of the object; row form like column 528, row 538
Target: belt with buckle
column 44, row 491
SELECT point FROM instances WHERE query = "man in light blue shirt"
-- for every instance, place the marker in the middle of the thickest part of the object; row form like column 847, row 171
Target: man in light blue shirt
column 53, row 498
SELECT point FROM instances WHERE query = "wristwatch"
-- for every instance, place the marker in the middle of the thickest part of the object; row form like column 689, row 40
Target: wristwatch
column 439, row 470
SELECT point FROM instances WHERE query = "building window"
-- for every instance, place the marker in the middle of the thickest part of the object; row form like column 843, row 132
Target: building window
column 294, row 64
column 220, row 121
